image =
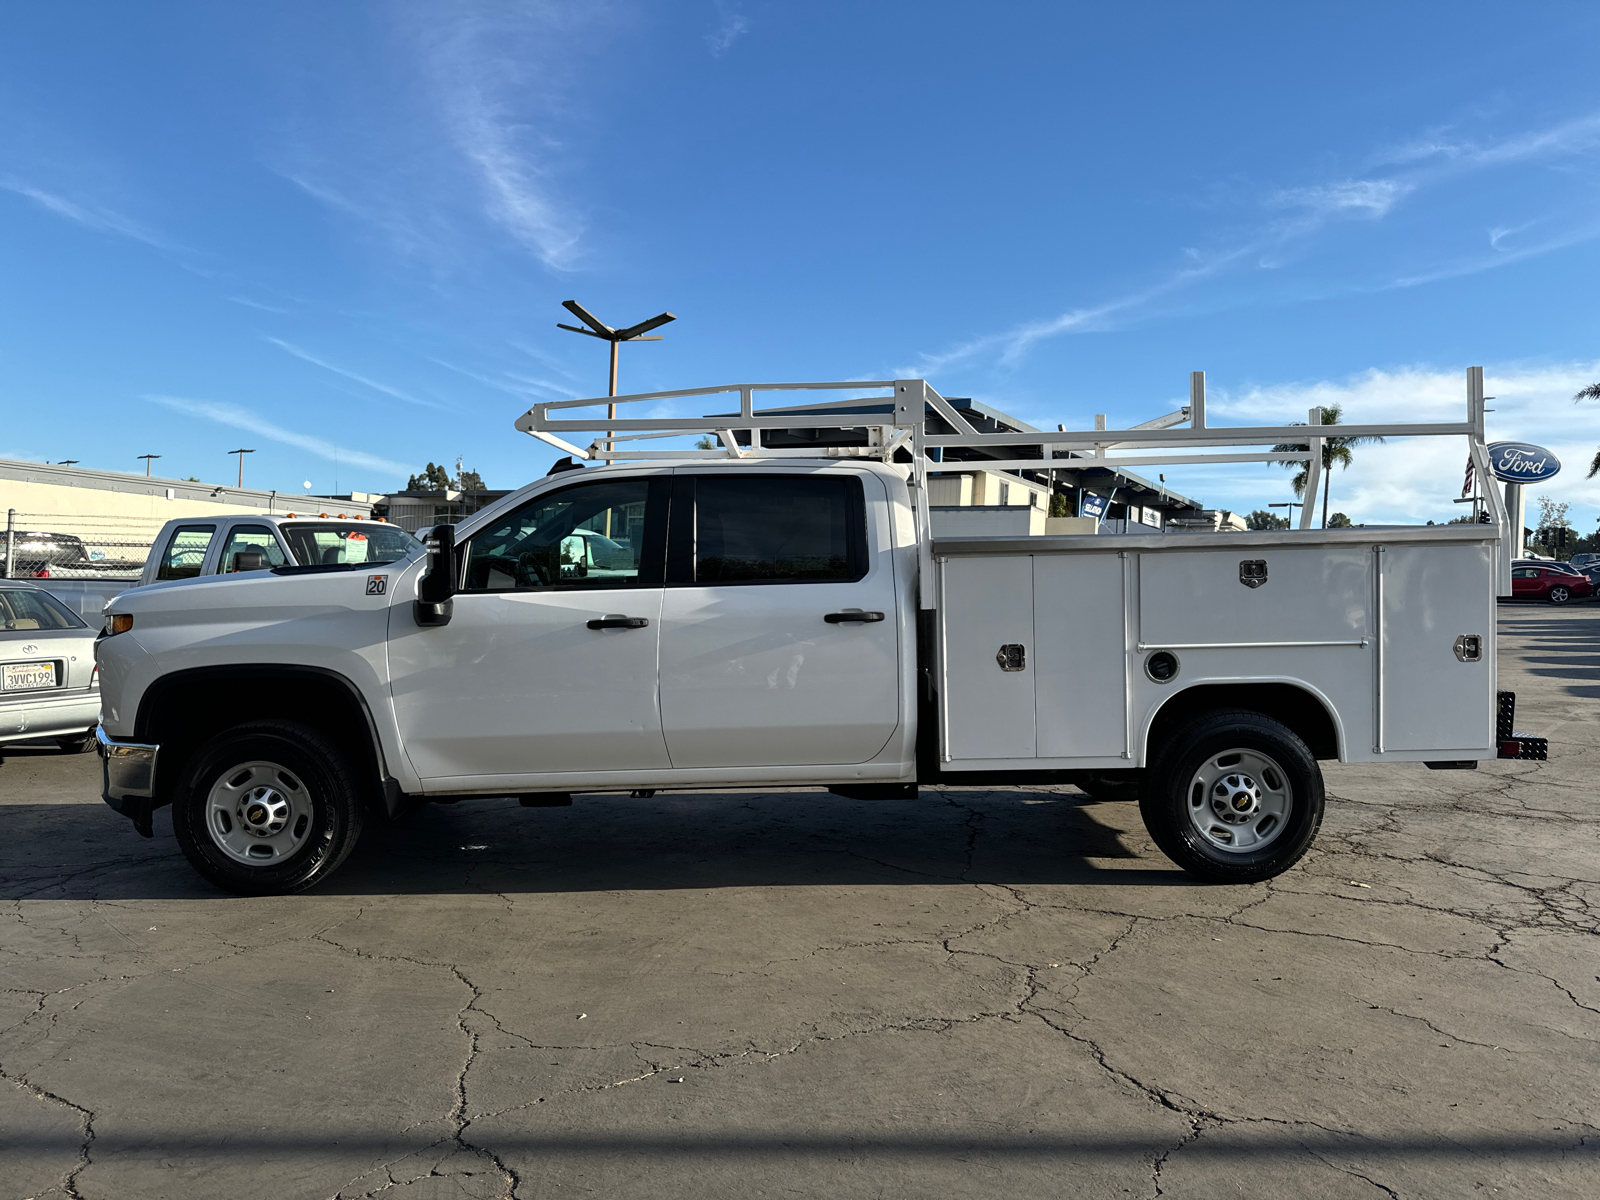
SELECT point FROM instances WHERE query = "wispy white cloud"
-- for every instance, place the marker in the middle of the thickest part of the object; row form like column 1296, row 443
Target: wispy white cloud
column 731, row 26
column 248, row 303
column 502, row 77
column 1308, row 211
column 100, row 219
column 512, row 383
column 385, row 388
column 253, row 423
column 1371, row 198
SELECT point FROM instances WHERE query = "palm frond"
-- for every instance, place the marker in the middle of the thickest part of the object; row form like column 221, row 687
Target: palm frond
column 1594, row 466
column 1592, row 392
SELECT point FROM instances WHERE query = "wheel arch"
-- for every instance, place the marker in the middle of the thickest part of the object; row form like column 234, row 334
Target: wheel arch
column 1303, row 708
column 182, row 710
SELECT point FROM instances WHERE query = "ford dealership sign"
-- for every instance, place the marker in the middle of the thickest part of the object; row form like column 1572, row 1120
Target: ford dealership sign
column 1522, row 462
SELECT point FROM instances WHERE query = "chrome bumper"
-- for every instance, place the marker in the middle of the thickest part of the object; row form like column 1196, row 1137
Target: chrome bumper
column 127, row 769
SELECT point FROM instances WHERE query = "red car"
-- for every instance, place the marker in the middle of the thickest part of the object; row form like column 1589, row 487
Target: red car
column 1552, row 583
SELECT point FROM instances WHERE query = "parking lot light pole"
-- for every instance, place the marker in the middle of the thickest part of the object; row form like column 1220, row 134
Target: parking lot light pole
column 241, row 454
column 599, row 329
column 147, row 458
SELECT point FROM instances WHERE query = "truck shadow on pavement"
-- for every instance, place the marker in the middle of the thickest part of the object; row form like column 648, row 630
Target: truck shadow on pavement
column 617, row 843
column 1566, row 647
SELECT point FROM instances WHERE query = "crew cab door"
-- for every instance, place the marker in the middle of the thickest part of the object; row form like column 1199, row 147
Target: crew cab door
column 549, row 661
column 754, row 673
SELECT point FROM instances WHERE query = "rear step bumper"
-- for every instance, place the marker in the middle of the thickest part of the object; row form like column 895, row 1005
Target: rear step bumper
column 1511, row 744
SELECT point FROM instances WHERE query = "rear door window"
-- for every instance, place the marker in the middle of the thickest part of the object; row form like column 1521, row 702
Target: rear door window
column 249, row 548
column 768, row 529
column 186, row 552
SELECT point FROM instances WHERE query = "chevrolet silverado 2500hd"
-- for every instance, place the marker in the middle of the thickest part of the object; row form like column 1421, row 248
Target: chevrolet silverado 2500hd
column 767, row 615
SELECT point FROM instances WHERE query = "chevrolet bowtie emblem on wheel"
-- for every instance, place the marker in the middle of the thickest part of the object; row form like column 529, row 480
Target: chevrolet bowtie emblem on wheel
column 377, row 585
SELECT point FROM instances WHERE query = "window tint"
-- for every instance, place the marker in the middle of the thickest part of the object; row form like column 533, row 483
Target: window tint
column 26, row 608
column 186, row 552
column 249, row 548
column 594, row 535
column 778, row 529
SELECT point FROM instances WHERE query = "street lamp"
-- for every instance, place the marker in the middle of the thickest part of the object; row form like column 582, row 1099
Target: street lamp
column 241, row 454
column 598, row 329
column 147, row 458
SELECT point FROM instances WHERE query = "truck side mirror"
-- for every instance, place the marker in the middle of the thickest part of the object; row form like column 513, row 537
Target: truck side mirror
column 438, row 584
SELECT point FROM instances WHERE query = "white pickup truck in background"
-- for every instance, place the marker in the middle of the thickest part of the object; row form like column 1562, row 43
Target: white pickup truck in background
column 760, row 616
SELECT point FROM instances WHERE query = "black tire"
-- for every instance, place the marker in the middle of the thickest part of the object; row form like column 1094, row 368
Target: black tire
column 1173, row 789
column 1111, row 787
column 327, row 813
column 80, row 744
column 1559, row 594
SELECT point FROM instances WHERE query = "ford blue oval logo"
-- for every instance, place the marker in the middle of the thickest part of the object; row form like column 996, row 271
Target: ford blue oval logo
column 1522, row 462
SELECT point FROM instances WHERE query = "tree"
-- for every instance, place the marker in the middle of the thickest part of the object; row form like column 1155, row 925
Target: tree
column 1266, row 519
column 1060, row 505
column 1338, row 521
column 434, row 478
column 1334, row 450
column 469, row 481
column 1555, row 533
column 1592, row 392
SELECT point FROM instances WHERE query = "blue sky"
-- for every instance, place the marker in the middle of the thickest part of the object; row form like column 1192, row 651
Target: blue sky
column 341, row 233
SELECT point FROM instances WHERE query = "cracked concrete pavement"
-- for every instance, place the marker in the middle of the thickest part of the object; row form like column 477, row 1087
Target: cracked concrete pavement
column 982, row 992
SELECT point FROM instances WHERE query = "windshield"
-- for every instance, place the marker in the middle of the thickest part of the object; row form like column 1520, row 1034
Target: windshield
column 30, row 608
column 332, row 543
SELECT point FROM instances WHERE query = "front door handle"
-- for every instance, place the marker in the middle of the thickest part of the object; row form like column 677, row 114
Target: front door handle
column 852, row 614
column 618, row 621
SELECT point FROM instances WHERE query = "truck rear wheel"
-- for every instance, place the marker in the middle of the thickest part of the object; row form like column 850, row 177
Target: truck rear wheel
column 1233, row 797
column 267, row 809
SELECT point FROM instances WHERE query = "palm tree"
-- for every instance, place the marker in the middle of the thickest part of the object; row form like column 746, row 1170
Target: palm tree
column 1592, row 392
column 1334, row 450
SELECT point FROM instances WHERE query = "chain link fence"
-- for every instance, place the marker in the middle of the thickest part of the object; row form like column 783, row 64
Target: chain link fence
column 75, row 546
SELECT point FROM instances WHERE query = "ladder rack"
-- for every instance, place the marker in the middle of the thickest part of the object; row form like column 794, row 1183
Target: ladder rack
column 898, row 422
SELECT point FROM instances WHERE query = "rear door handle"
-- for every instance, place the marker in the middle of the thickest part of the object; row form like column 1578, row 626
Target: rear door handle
column 852, row 614
column 618, row 621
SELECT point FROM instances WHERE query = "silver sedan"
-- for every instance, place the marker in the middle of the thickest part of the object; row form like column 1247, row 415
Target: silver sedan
column 49, row 684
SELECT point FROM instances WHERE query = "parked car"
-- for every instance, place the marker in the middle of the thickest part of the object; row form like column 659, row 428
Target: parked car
column 1554, row 582
column 49, row 683
column 1583, row 562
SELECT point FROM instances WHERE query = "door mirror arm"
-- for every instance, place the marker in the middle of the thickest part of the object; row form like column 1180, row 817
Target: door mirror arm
column 434, row 605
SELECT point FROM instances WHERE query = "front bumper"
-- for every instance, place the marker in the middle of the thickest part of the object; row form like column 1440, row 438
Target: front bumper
column 128, row 776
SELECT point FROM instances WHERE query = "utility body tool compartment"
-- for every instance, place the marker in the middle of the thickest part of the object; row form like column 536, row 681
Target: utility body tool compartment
column 1389, row 633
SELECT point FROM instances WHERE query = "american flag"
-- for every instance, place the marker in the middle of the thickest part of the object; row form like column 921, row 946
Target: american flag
column 1466, row 482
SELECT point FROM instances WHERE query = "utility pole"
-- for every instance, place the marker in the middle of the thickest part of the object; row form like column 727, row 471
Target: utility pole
column 241, row 454
column 598, row 329
column 147, row 458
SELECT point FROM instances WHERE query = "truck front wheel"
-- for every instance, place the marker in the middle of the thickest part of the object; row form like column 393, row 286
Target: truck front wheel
column 1233, row 797
column 267, row 809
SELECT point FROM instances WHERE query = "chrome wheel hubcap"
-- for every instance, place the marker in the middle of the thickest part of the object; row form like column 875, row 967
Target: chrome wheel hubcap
column 1239, row 801
column 258, row 813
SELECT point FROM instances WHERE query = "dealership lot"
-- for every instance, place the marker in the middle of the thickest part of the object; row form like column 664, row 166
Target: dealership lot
column 976, row 993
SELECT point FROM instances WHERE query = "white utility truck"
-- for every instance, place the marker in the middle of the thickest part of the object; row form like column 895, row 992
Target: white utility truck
column 768, row 614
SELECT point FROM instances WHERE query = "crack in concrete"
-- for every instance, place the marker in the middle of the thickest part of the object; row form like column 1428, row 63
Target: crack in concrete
column 69, row 1183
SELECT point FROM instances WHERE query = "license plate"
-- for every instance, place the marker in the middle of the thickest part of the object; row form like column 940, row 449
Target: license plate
column 24, row 677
